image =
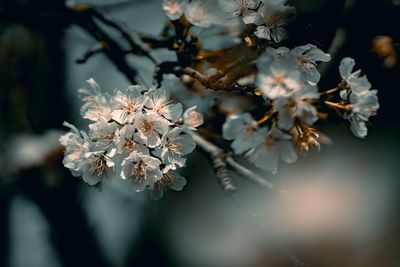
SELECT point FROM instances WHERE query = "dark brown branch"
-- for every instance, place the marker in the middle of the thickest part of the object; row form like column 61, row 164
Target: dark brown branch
column 84, row 17
column 99, row 48
column 132, row 38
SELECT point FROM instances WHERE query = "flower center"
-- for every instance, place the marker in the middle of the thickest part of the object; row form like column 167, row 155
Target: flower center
column 139, row 172
column 280, row 79
column 173, row 146
column 273, row 20
column 195, row 118
column 131, row 106
column 173, row 8
column 98, row 165
column 248, row 130
column 269, row 142
column 129, row 144
column 146, row 126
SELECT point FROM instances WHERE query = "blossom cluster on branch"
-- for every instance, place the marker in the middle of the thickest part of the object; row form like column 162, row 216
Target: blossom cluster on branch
column 139, row 133
column 145, row 138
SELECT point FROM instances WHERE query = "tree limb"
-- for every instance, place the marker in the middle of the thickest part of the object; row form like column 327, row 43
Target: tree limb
column 216, row 152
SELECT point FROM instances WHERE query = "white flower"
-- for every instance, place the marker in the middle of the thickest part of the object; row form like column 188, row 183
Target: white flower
column 171, row 179
column 278, row 77
column 308, row 55
column 175, row 145
column 203, row 13
column 274, row 146
column 363, row 101
column 143, row 170
column 363, row 106
column 274, row 53
column 192, row 119
column 271, row 18
column 160, row 104
column 93, row 166
column 97, row 167
column 128, row 105
column 97, row 106
column 298, row 105
column 174, row 8
column 76, row 146
column 354, row 82
column 127, row 140
column 242, row 129
column 102, row 133
column 238, row 7
column 150, row 127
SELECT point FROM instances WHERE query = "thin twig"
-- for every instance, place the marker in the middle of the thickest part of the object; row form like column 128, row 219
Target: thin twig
column 133, row 39
column 215, row 151
column 249, row 174
column 98, row 48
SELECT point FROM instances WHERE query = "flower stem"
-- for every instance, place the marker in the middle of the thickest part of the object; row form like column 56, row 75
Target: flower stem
column 330, row 91
column 337, row 106
column 265, row 118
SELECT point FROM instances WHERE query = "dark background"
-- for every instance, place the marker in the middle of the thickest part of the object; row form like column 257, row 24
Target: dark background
column 340, row 206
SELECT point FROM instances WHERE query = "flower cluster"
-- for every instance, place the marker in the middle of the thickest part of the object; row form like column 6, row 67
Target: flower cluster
column 362, row 101
column 287, row 79
column 261, row 145
column 139, row 133
column 144, row 137
column 269, row 16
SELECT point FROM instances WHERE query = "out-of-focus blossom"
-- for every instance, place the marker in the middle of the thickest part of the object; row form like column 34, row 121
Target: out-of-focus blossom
column 354, row 82
column 363, row 106
column 363, row 102
column 271, row 18
column 308, row 55
column 276, row 145
column 383, row 47
column 174, row 8
column 278, row 77
column 238, row 7
column 242, row 129
column 200, row 13
column 26, row 151
column 192, row 119
column 298, row 105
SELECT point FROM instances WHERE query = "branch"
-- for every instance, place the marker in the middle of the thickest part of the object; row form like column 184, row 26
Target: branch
column 218, row 158
column 216, row 152
column 100, row 47
column 135, row 42
column 83, row 17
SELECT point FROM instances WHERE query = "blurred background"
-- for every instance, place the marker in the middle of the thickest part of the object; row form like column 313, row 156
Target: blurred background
column 339, row 207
